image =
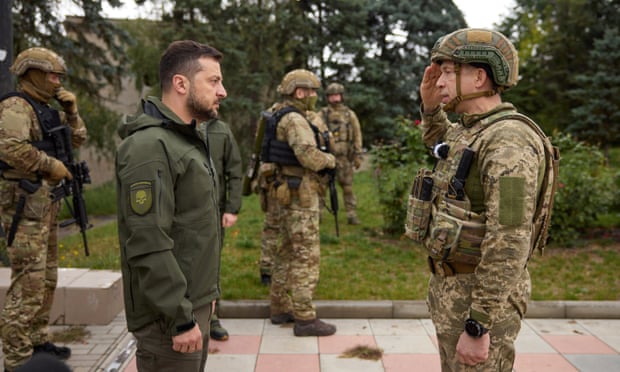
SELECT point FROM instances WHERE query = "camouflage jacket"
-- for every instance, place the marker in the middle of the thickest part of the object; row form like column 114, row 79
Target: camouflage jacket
column 294, row 129
column 345, row 128
column 501, row 189
column 19, row 128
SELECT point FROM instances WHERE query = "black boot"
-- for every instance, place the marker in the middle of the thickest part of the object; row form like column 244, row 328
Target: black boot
column 265, row 279
column 282, row 318
column 218, row 332
column 313, row 327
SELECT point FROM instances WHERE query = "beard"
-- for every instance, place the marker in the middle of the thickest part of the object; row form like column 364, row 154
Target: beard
column 199, row 108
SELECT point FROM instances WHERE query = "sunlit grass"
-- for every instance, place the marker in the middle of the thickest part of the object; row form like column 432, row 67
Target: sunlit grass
column 365, row 264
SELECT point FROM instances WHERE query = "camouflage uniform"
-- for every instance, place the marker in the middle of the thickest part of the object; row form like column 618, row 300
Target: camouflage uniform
column 297, row 258
column 270, row 234
column 298, row 188
column 346, row 131
column 479, row 243
column 33, row 253
column 497, row 293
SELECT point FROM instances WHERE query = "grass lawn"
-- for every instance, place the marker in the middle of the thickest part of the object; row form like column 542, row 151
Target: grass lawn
column 365, row 264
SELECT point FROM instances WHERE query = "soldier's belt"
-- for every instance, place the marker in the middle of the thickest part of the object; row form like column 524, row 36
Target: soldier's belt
column 449, row 268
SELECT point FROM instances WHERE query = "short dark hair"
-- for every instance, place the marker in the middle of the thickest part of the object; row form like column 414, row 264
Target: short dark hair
column 181, row 57
column 487, row 69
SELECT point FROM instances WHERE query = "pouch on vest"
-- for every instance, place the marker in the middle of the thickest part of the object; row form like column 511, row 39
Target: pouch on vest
column 306, row 193
column 419, row 206
column 455, row 233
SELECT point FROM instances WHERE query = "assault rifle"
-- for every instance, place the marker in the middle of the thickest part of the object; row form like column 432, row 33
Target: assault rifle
column 61, row 136
column 254, row 163
column 333, row 193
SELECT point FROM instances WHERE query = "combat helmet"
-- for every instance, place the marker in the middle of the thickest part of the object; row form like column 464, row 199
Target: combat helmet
column 334, row 88
column 299, row 78
column 38, row 58
column 479, row 47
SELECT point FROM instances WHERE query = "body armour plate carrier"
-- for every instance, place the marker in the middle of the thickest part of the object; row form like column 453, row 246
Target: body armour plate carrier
column 456, row 232
column 49, row 119
column 279, row 152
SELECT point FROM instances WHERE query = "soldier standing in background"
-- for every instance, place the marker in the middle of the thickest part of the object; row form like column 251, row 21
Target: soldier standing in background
column 270, row 234
column 491, row 194
column 347, row 134
column 227, row 162
column 31, row 174
column 295, row 146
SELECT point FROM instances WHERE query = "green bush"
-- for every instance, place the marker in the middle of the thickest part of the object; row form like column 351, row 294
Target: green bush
column 587, row 187
column 396, row 164
column 585, row 190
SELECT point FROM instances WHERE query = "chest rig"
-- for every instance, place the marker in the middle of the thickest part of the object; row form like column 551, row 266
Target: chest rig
column 456, row 219
column 339, row 123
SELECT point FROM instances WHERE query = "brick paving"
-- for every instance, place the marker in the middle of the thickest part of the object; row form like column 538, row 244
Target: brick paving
column 255, row 345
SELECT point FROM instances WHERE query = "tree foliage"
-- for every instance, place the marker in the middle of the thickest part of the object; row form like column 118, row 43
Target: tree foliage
column 94, row 64
column 596, row 119
column 377, row 49
column 555, row 40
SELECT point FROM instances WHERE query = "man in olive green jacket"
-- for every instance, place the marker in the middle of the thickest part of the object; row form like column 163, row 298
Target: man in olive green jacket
column 168, row 216
column 227, row 162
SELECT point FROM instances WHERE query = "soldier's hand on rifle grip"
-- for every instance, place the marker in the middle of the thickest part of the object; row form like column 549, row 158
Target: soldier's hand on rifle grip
column 67, row 100
column 58, row 172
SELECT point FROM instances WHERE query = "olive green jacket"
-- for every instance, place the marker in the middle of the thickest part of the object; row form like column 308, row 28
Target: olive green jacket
column 168, row 220
column 227, row 161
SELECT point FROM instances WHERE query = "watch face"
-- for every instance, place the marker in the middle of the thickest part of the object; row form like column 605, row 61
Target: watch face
column 473, row 328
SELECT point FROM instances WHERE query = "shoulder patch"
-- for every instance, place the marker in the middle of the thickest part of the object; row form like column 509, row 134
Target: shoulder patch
column 141, row 197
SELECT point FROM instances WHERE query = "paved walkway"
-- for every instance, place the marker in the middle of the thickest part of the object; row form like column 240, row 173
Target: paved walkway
column 255, row 345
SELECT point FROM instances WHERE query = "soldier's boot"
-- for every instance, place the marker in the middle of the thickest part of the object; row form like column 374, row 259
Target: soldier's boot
column 218, row 332
column 282, row 318
column 265, row 278
column 60, row 352
column 313, row 327
column 352, row 220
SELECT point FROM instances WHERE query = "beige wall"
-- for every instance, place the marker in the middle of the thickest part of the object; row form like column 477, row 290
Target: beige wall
column 102, row 168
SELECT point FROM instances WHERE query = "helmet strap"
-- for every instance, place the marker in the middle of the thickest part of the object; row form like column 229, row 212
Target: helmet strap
column 450, row 106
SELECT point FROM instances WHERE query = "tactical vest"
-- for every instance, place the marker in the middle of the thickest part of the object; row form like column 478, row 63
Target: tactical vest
column 341, row 129
column 455, row 232
column 280, row 152
column 49, row 121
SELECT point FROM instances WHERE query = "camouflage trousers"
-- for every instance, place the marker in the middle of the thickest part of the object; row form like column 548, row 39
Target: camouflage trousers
column 270, row 235
column 34, row 274
column 296, row 261
column 449, row 299
column 344, row 176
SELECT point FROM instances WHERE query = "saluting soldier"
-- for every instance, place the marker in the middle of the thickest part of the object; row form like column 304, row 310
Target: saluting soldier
column 492, row 191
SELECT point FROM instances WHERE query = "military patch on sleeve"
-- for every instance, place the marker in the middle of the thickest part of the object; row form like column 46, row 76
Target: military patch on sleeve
column 511, row 200
column 141, row 197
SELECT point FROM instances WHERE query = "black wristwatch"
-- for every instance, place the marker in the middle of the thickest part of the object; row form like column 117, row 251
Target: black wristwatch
column 474, row 329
